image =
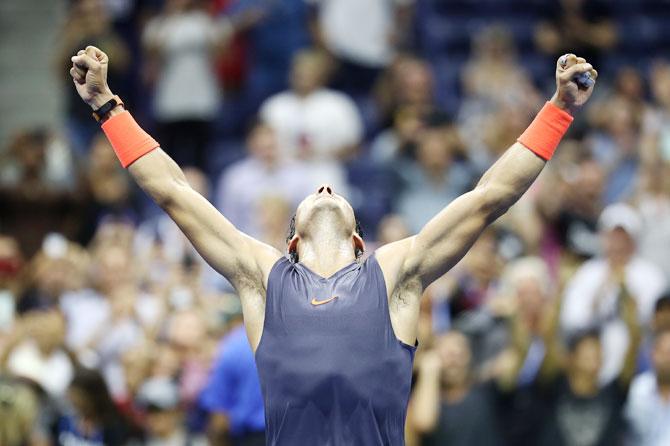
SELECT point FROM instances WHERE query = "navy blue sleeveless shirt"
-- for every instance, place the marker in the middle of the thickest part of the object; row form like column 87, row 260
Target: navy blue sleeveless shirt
column 331, row 369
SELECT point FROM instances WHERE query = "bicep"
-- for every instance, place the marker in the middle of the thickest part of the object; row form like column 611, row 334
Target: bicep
column 229, row 251
column 445, row 239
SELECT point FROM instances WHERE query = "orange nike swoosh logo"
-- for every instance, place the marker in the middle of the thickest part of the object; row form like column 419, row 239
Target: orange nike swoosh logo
column 321, row 302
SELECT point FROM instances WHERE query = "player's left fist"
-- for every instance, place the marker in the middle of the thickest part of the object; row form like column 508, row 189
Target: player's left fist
column 575, row 79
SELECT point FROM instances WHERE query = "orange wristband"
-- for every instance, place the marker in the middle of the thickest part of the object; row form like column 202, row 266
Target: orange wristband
column 546, row 131
column 128, row 139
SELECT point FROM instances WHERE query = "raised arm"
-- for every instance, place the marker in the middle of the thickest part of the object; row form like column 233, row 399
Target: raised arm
column 245, row 262
column 448, row 236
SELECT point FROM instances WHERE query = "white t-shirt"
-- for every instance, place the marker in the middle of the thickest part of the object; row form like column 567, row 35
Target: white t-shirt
column 648, row 415
column 327, row 120
column 187, row 86
column 53, row 372
column 655, row 237
column 244, row 184
column 85, row 312
column 588, row 303
column 359, row 30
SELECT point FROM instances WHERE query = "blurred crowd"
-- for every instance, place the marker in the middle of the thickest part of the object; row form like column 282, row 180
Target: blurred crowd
column 553, row 330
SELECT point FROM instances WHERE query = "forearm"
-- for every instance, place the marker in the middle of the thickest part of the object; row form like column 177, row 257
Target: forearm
column 426, row 402
column 160, row 177
column 630, row 318
column 508, row 179
column 511, row 176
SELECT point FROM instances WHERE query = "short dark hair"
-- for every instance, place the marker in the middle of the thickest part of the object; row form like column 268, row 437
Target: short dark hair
column 580, row 336
column 663, row 302
column 293, row 256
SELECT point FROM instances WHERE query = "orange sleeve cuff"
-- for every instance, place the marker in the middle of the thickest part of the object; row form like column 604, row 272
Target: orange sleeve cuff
column 546, row 131
column 128, row 139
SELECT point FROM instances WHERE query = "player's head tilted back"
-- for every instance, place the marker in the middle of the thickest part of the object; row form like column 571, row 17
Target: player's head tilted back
column 324, row 217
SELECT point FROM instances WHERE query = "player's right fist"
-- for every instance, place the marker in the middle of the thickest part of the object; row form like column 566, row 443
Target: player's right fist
column 89, row 74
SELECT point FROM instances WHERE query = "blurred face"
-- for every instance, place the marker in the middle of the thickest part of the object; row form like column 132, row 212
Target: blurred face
column 391, row 229
column 414, row 82
column 262, row 144
column 80, row 402
column 163, row 423
column 661, row 357
column 47, row 329
column 325, row 208
column 308, row 73
column 660, row 84
column 102, row 156
column 136, row 365
column 113, row 268
column 629, row 82
column 434, row 154
column 587, row 357
column 589, row 184
column 530, row 294
column 618, row 246
column 661, row 320
column 454, row 351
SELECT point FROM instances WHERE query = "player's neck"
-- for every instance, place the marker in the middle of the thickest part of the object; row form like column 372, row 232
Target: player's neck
column 326, row 255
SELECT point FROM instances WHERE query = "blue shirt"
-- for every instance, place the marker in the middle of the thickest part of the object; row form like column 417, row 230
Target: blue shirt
column 332, row 371
column 233, row 387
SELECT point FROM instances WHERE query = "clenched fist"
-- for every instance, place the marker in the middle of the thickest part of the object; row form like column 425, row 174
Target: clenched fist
column 89, row 73
column 571, row 94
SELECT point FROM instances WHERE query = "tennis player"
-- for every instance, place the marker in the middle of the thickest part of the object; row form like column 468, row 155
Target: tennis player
column 334, row 337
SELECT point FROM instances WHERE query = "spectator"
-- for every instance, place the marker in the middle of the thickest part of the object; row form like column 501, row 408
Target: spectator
column 401, row 138
column 272, row 214
column 655, row 143
column 107, row 188
column 314, row 124
column 268, row 57
column 233, row 393
column 36, row 351
column 493, row 74
column 580, row 410
column 616, row 149
column 447, row 407
column 11, row 283
column 34, row 199
column 19, row 413
column 648, row 405
column 92, row 418
column 159, row 398
column 570, row 206
column 187, row 336
column 391, row 229
column 89, row 23
column 593, row 294
column 264, row 172
column 525, row 296
column 578, row 26
column 660, row 322
column 181, row 42
column 653, row 203
column 363, row 36
column 55, row 269
column 407, row 84
column 466, row 291
column 434, row 179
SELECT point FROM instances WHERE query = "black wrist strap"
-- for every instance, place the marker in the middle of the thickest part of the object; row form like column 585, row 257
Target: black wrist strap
column 101, row 113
